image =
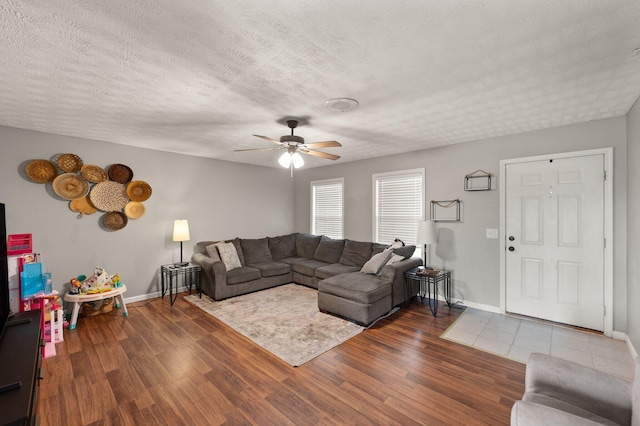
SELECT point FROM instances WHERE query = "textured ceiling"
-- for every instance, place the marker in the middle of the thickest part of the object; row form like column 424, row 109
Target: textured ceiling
column 200, row 77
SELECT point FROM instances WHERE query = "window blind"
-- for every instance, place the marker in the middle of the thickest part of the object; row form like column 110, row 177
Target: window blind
column 327, row 208
column 398, row 205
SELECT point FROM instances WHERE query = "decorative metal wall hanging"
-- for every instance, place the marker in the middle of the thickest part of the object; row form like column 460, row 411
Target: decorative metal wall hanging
column 478, row 181
column 90, row 188
column 445, row 211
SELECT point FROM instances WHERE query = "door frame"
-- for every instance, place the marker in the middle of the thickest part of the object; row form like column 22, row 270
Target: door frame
column 608, row 226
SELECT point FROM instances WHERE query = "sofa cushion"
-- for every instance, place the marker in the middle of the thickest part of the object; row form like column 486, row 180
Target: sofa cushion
column 242, row 274
column 334, row 269
column 405, row 251
column 356, row 253
column 212, row 252
column 291, row 260
column 255, row 251
column 282, row 246
column 308, row 266
column 379, row 248
column 271, row 268
column 376, row 263
column 201, row 247
column 306, row 245
column 329, row 250
column 356, row 286
column 228, row 255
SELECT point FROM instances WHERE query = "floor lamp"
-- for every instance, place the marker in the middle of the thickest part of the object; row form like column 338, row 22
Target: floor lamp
column 181, row 233
column 426, row 236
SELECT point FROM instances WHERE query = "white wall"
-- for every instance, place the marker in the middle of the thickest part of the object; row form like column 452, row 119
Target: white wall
column 633, row 225
column 220, row 199
column 462, row 247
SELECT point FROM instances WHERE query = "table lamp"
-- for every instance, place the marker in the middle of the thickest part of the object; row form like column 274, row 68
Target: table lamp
column 181, row 233
column 426, row 236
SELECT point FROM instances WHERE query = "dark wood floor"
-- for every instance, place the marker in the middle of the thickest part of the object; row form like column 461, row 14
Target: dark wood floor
column 179, row 366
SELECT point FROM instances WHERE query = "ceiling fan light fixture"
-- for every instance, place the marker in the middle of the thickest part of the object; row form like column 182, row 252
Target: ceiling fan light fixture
column 297, row 159
column 285, row 160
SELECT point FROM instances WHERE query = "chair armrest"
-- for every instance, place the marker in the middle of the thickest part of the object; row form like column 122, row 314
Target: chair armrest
column 604, row 394
column 525, row 413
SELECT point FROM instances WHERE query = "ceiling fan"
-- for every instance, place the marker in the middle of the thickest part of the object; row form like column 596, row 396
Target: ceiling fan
column 295, row 145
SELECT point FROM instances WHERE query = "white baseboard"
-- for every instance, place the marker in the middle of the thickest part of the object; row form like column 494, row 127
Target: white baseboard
column 153, row 295
column 480, row 306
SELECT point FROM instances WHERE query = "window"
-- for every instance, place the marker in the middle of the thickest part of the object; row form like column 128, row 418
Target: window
column 398, row 205
column 327, row 207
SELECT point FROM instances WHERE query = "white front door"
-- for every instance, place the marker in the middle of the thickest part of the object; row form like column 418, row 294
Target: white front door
column 554, row 228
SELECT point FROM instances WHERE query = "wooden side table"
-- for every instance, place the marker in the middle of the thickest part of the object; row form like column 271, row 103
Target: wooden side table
column 79, row 299
column 190, row 276
column 429, row 280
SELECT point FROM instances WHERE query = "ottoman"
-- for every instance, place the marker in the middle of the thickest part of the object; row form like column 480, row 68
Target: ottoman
column 356, row 296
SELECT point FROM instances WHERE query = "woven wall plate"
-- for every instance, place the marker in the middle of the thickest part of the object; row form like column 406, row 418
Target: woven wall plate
column 92, row 173
column 69, row 163
column 115, row 220
column 41, row 171
column 139, row 190
column 120, row 173
column 109, row 196
column 70, row 186
column 134, row 210
column 83, row 206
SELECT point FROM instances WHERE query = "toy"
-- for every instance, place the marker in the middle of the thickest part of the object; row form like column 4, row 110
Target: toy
column 97, row 283
column 74, row 286
column 115, row 281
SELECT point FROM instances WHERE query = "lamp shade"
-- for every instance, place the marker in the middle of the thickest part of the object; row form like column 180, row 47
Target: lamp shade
column 181, row 230
column 426, row 232
column 285, row 160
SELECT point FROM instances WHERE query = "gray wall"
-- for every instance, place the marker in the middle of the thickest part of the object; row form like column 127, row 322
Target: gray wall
column 462, row 247
column 220, row 199
column 633, row 225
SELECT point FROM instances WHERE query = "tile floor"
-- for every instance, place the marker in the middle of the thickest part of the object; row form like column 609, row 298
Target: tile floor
column 516, row 338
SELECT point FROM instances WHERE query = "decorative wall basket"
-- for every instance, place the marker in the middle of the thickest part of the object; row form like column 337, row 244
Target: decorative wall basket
column 90, row 188
column 478, row 181
column 445, row 211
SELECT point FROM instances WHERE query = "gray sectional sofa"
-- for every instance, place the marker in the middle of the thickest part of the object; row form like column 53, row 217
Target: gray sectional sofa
column 331, row 266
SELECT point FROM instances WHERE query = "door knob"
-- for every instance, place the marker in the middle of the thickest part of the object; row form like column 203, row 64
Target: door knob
column 511, row 248
column 511, row 238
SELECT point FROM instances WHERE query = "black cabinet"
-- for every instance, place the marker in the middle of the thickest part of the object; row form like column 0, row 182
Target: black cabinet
column 20, row 362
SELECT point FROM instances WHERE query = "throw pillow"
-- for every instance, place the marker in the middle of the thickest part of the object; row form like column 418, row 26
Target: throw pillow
column 229, row 255
column 212, row 251
column 405, row 251
column 395, row 258
column 376, row 263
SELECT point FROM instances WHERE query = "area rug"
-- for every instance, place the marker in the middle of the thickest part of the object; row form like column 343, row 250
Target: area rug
column 284, row 320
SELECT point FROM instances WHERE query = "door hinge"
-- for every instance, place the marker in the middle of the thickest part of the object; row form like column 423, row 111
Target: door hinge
column 605, row 175
column 605, row 243
column 605, row 310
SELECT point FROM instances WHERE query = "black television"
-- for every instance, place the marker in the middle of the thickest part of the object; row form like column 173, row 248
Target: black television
column 5, row 309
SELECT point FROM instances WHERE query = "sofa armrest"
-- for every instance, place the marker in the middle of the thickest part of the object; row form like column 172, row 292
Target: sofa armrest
column 394, row 273
column 214, row 273
column 525, row 413
column 604, row 394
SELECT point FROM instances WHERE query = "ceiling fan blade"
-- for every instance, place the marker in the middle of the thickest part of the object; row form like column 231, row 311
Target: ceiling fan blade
column 258, row 149
column 319, row 154
column 324, row 144
column 267, row 138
